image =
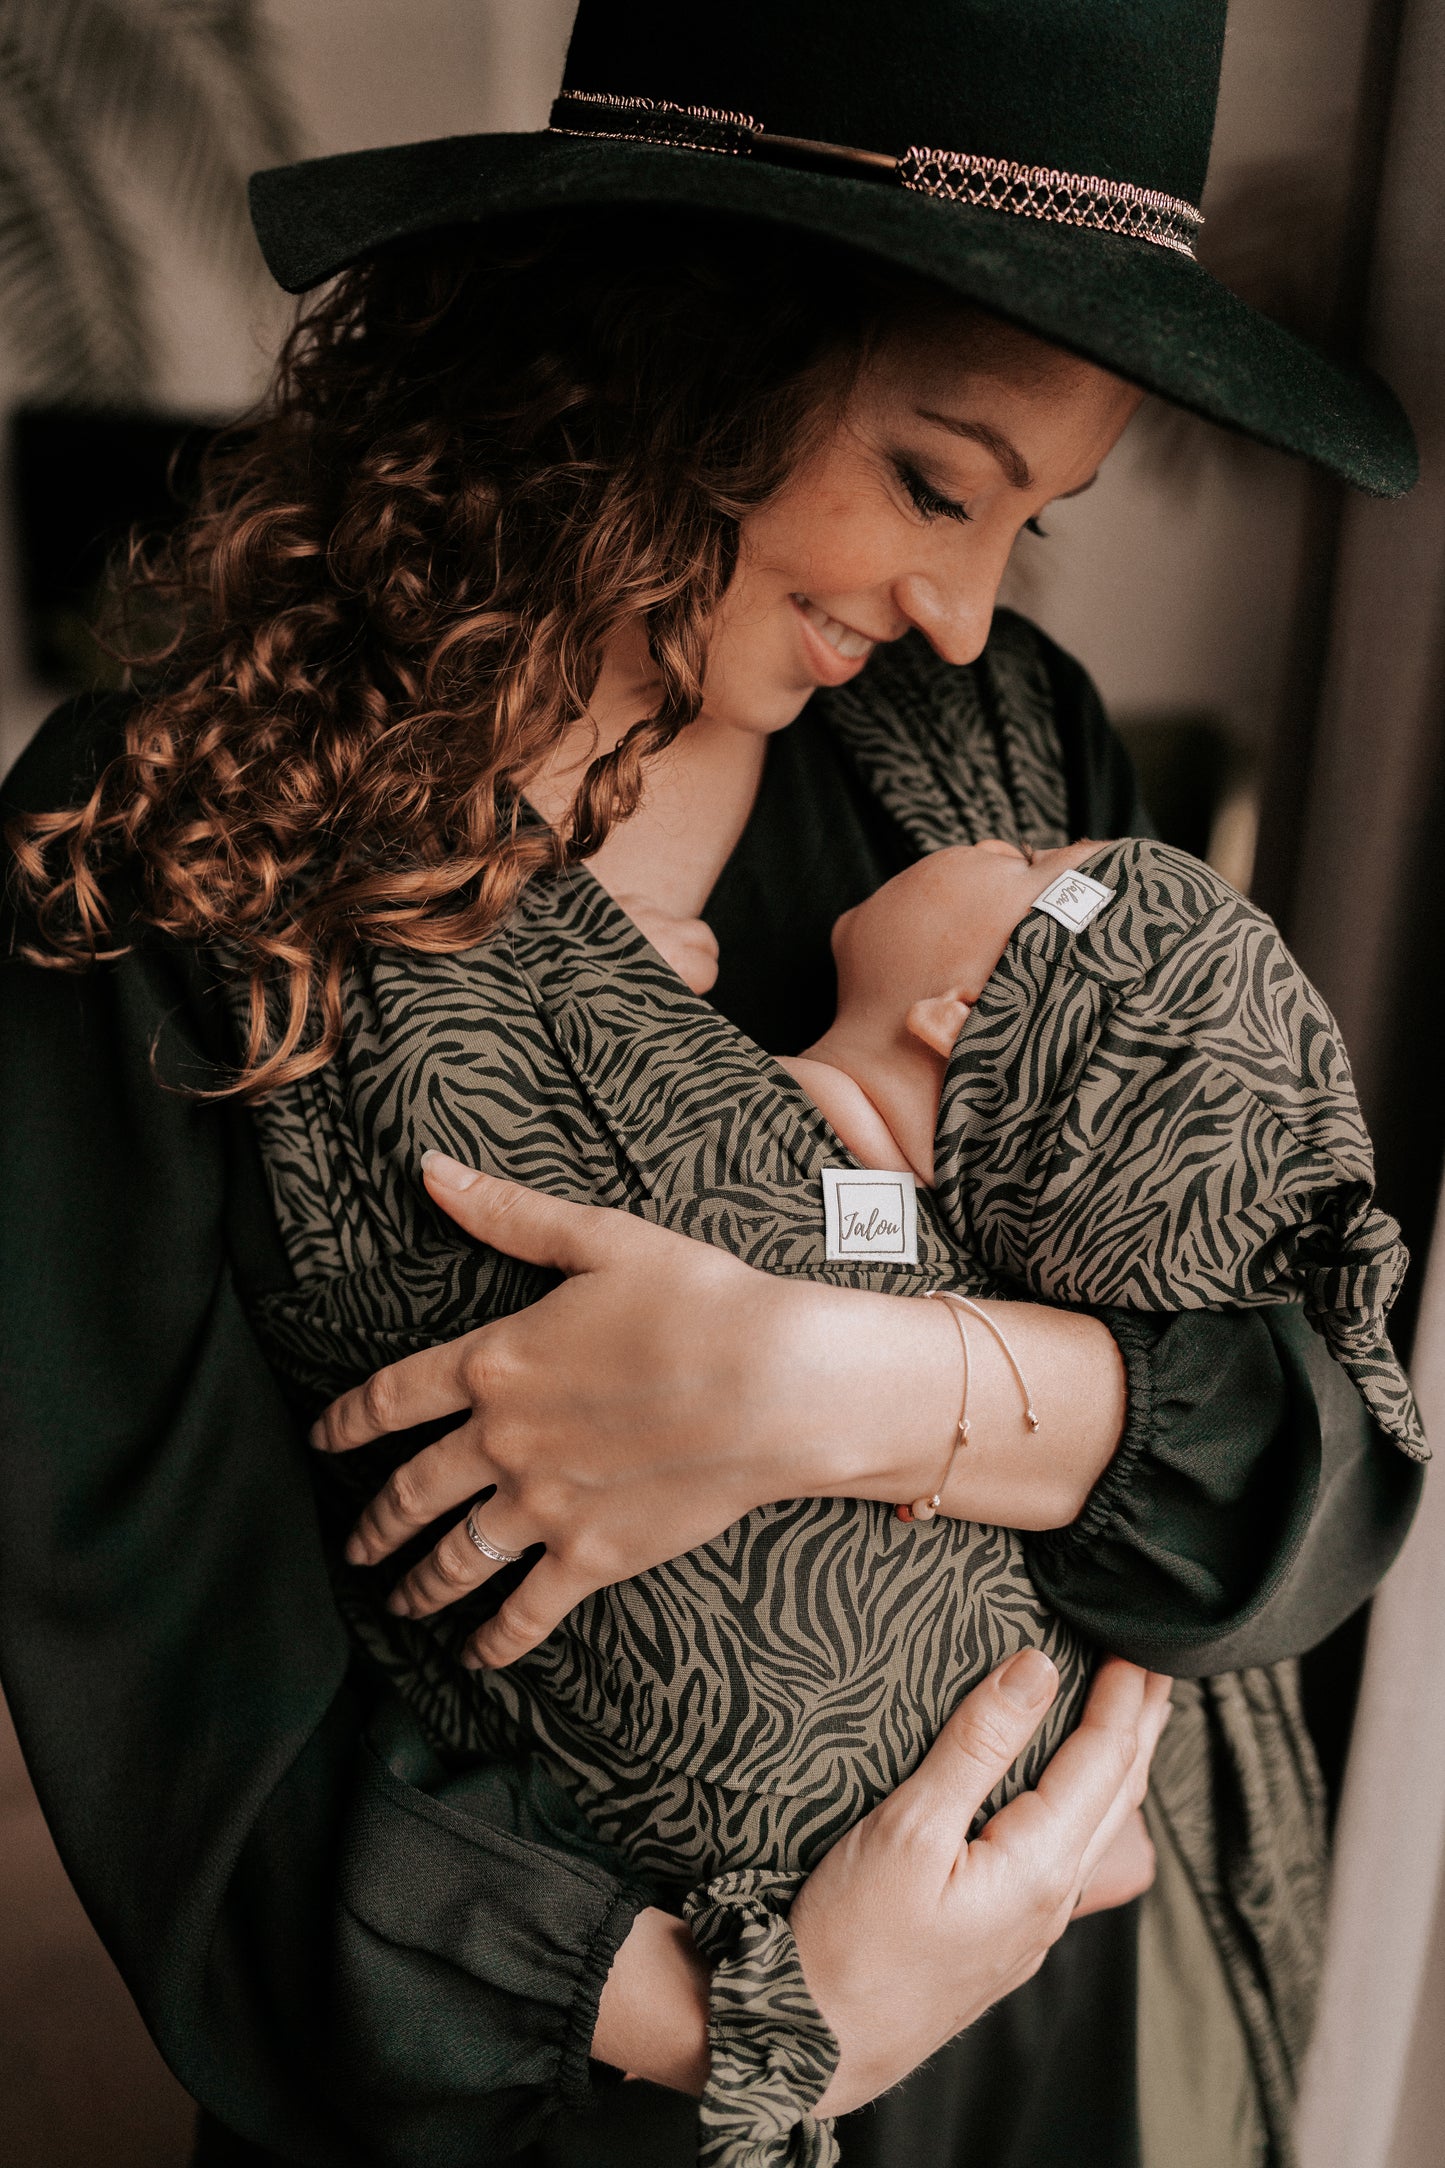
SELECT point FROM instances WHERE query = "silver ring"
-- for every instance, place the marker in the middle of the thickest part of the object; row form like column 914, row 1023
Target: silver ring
column 489, row 1550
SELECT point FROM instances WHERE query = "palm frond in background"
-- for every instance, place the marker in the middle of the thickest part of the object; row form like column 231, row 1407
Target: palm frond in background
column 177, row 96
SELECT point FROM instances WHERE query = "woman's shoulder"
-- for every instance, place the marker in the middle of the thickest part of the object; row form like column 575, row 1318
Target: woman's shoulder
column 1021, row 670
column 1021, row 730
column 63, row 761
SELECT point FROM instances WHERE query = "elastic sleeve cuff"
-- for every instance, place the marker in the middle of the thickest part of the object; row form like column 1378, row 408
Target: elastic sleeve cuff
column 578, row 2076
column 773, row 2051
column 1136, row 1335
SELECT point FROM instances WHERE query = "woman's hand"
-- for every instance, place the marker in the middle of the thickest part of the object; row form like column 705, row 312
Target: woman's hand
column 907, row 1931
column 660, row 1393
column 1126, row 1870
column 665, row 1389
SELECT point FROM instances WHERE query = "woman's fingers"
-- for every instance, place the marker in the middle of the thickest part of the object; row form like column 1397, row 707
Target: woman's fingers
column 418, row 1493
column 434, row 1382
column 527, row 1223
column 457, row 1565
column 1153, row 1716
column 523, row 1222
column 1125, row 1871
column 530, row 1613
column 979, row 1744
column 1081, row 1800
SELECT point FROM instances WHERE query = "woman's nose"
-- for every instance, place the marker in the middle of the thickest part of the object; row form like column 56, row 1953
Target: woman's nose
column 954, row 618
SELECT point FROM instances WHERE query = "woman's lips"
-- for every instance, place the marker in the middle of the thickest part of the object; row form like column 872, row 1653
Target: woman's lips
column 836, row 652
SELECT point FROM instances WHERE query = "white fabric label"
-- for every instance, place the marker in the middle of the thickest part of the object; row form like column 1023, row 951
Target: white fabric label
column 870, row 1213
column 1074, row 899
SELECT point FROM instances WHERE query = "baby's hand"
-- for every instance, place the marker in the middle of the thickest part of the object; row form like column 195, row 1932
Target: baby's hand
column 1125, row 1871
column 685, row 943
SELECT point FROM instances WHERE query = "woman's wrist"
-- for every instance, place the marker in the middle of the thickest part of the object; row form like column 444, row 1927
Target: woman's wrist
column 864, row 1392
column 1013, row 1474
column 652, row 2016
column 881, row 1380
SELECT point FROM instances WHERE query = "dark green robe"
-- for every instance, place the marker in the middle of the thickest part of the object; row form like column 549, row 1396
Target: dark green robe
column 344, row 1952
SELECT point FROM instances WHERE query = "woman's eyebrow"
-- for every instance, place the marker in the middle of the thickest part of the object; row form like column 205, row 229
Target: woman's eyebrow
column 1009, row 457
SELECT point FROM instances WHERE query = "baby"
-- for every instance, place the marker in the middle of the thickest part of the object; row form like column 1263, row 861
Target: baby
column 912, row 962
column 1118, row 1082
column 1111, row 1084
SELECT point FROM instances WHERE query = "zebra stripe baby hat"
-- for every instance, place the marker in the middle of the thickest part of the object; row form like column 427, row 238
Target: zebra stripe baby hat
column 1151, row 1106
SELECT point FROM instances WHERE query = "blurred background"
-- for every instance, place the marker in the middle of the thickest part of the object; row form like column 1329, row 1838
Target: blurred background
column 1271, row 650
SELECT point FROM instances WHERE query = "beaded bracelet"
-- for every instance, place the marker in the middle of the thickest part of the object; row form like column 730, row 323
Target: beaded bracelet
column 924, row 1509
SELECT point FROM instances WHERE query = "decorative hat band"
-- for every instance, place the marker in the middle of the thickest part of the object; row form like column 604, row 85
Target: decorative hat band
column 993, row 184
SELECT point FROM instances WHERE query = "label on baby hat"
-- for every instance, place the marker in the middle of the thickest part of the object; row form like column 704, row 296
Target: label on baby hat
column 870, row 1213
column 1074, row 899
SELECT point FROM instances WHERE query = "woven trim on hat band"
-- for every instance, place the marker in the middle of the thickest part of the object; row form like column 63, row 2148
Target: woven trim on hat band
column 650, row 120
column 990, row 184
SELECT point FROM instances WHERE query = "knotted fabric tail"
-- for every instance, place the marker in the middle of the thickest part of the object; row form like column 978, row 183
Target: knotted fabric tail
column 773, row 2051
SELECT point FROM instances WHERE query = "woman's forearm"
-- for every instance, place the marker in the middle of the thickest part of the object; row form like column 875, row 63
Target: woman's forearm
column 890, row 1371
column 664, row 1389
column 652, row 2018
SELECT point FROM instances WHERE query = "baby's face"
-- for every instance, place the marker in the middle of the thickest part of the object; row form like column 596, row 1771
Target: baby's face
column 940, row 927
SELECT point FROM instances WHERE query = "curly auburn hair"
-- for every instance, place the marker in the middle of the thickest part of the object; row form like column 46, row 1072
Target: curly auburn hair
column 482, row 455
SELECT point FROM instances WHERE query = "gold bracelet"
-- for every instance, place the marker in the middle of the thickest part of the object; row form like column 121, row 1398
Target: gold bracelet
column 946, row 1294
column 924, row 1509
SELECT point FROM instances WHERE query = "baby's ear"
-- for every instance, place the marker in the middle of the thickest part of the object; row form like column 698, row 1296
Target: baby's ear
column 938, row 1021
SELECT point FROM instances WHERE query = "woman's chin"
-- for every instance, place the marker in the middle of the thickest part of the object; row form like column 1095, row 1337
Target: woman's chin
column 764, row 712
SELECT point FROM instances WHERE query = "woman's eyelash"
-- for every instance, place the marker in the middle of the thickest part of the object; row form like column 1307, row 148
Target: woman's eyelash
column 929, row 501
column 933, row 504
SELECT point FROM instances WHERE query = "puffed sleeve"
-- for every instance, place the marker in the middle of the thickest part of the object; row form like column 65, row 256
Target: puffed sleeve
column 327, row 1934
column 1253, row 1505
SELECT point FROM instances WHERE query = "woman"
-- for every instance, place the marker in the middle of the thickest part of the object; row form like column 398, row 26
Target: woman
column 581, row 517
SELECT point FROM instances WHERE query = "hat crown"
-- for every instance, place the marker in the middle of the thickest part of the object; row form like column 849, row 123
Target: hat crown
column 1122, row 89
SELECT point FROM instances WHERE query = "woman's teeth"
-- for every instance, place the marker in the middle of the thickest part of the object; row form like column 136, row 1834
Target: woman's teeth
column 842, row 638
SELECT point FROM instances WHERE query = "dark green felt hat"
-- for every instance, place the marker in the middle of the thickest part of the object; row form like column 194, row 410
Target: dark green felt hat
column 1042, row 157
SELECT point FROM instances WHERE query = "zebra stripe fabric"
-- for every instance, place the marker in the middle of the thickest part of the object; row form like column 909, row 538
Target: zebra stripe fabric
column 772, row 2050
column 744, row 1705
column 728, row 1715
column 1158, row 1112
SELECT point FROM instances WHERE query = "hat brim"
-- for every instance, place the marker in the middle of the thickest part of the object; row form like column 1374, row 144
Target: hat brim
column 1147, row 313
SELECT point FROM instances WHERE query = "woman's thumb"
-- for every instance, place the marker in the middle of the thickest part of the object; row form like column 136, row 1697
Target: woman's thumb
column 526, row 1223
column 983, row 1739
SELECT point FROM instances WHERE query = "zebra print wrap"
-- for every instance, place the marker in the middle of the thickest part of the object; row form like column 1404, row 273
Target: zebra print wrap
column 722, row 1720
column 1157, row 1112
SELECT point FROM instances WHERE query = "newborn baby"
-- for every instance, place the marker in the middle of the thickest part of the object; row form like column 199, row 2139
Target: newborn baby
column 1122, row 1091
column 912, row 962
column 1119, row 1083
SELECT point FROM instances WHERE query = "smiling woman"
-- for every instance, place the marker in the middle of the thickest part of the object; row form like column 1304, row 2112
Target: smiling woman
column 624, row 527
column 939, row 433
column 453, row 392
column 886, row 444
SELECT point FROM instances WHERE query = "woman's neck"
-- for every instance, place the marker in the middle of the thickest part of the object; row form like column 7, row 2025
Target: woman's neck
column 699, row 793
